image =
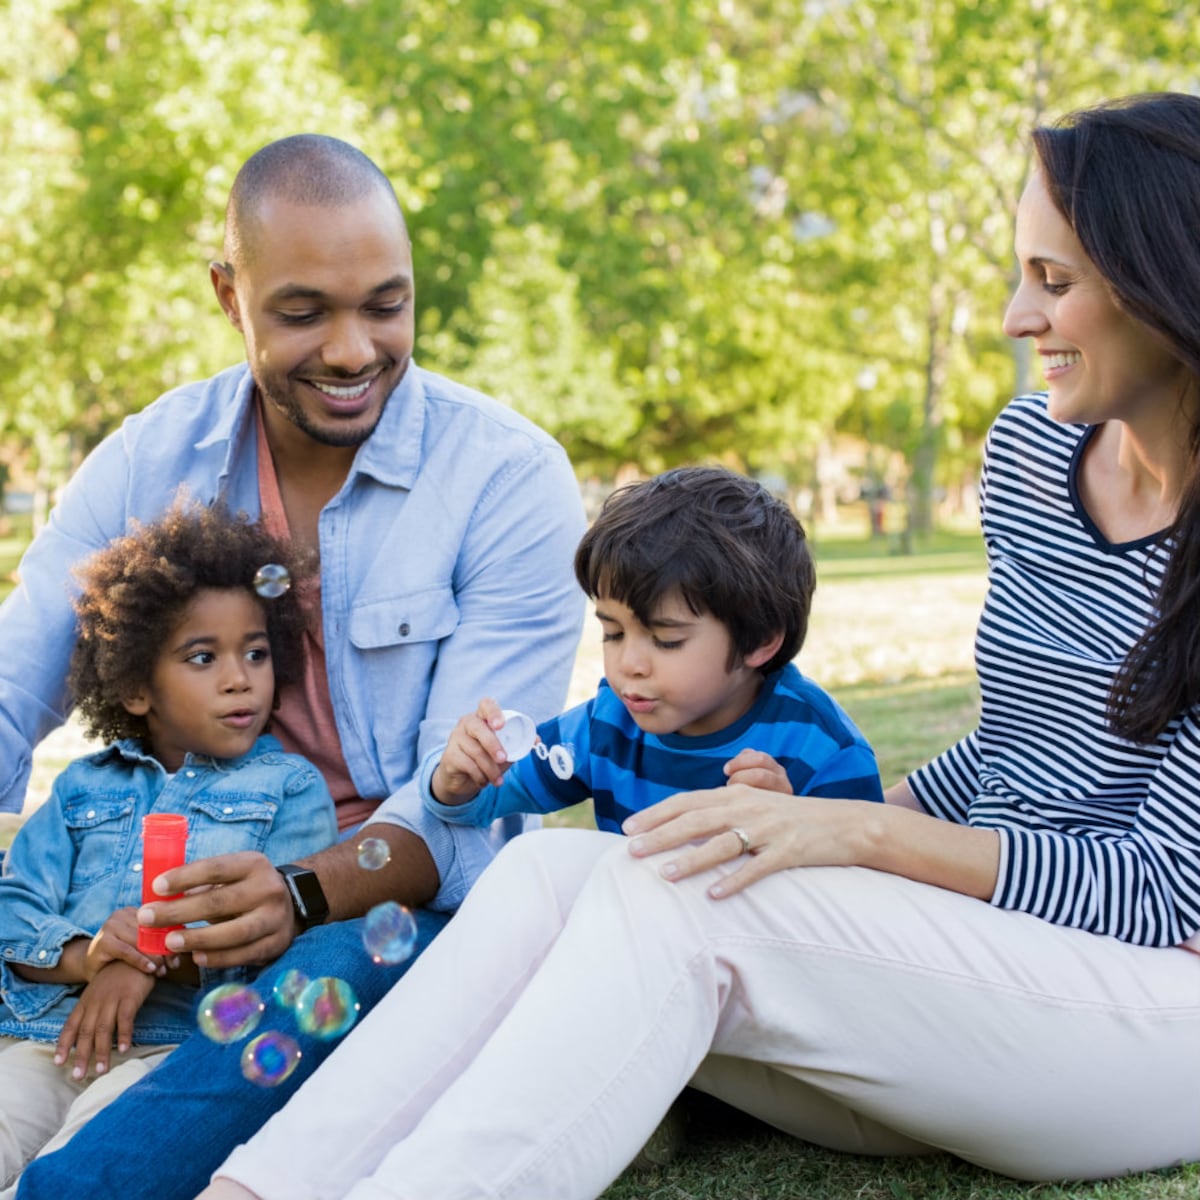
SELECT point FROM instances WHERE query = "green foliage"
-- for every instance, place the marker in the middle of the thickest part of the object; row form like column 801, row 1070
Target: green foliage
column 699, row 229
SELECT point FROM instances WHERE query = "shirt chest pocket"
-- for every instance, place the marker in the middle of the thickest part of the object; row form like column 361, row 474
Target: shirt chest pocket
column 228, row 823
column 101, row 828
column 416, row 618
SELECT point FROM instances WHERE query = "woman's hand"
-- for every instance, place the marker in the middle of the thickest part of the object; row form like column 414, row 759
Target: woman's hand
column 771, row 830
column 774, row 832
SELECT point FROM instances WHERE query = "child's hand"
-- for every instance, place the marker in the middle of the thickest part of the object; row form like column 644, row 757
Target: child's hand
column 105, row 1007
column 116, row 941
column 756, row 769
column 473, row 757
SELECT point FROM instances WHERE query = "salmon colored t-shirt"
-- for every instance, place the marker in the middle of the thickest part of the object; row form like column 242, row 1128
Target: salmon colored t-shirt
column 304, row 721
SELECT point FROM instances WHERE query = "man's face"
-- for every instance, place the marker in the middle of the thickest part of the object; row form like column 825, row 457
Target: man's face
column 325, row 305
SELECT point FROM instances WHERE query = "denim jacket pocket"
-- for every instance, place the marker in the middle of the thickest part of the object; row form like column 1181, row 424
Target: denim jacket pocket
column 226, row 822
column 100, row 827
column 425, row 616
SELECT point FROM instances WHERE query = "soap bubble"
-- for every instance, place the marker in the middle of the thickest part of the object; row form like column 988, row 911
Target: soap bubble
column 562, row 761
column 373, row 853
column 389, row 933
column 560, row 757
column 229, row 1012
column 270, row 1058
column 327, row 1007
column 271, row 580
column 288, row 988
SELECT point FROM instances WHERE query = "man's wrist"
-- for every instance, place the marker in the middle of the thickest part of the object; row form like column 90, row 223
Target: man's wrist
column 309, row 903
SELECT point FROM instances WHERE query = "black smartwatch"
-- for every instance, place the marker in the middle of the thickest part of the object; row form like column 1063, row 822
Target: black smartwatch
column 308, row 898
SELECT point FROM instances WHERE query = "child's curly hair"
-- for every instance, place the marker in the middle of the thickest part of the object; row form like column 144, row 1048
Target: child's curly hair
column 136, row 588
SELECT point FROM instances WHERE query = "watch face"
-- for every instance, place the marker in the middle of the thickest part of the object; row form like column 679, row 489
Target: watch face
column 307, row 894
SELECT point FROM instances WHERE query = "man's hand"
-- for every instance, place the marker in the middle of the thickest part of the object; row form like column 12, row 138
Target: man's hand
column 243, row 899
column 106, row 1007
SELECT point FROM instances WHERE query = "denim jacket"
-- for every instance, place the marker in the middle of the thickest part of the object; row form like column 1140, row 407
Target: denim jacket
column 446, row 575
column 79, row 858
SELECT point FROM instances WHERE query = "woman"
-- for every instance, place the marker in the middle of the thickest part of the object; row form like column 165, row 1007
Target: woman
column 992, row 964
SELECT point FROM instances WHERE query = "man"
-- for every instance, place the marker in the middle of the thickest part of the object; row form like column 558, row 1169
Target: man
column 445, row 526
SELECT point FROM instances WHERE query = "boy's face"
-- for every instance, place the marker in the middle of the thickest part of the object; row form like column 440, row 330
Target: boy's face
column 213, row 681
column 673, row 676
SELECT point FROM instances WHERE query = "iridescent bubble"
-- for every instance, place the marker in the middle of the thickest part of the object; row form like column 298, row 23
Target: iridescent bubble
column 271, row 580
column 373, row 853
column 562, row 761
column 327, row 1007
column 389, row 933
column 270, row 1058
column 288, row 988
column 229, row 1012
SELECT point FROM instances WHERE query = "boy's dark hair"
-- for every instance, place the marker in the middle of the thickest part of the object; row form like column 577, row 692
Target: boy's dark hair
column 720, row 540
column 136, row 588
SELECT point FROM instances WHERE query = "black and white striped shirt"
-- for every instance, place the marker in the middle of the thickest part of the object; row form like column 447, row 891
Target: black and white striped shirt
column 1095, row 832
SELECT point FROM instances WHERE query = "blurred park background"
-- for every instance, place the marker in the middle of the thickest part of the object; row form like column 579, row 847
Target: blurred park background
column 774, row 234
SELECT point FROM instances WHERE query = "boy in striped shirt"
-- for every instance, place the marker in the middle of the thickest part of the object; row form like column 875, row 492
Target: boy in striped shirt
column 702, row 582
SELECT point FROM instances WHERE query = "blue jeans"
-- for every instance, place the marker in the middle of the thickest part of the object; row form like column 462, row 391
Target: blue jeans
column 166, row 1135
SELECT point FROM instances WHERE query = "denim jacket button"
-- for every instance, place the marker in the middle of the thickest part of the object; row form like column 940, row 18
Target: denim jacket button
column 405, row 629
column 9, row 952
column 41, row 954
column 227, row 810
column 91, row 813
column 190, row 774
column 136, row 867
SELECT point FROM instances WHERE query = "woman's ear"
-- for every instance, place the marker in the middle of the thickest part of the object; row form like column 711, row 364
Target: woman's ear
column 765, row 652
column 138, row 704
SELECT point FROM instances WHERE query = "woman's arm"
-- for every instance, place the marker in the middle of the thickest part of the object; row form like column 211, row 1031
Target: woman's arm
column 810, row 831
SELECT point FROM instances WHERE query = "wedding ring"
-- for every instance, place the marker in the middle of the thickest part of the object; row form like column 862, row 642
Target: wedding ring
column 740, row 834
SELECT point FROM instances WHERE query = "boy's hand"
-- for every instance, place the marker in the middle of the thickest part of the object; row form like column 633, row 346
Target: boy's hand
column 473, row 757
column 105, row 1007
column 756, row 769
column 116, row 941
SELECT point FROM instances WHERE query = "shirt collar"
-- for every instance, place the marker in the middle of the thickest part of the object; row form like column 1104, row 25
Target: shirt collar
column 391, row 455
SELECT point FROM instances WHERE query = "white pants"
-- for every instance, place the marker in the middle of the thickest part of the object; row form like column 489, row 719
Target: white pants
column 536, row 1044
column 41, row 1105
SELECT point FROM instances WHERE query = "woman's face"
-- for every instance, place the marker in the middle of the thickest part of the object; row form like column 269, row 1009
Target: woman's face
column 1099, row 363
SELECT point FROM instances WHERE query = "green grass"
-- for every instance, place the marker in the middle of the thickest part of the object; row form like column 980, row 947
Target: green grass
column 728, row 1156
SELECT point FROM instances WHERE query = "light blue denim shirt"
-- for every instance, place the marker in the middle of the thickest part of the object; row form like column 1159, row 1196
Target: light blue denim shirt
column 79, row 858
column 446, row 576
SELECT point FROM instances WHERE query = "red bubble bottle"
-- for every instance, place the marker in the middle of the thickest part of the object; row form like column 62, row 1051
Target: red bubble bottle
column 164, row 843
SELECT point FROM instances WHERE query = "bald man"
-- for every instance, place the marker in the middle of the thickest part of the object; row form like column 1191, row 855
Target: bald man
column 445, row 526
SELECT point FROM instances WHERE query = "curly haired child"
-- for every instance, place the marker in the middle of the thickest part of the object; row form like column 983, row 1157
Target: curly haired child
column 178, row 666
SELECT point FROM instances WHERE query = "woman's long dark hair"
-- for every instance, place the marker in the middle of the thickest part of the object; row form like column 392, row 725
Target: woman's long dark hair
column 1126, row 175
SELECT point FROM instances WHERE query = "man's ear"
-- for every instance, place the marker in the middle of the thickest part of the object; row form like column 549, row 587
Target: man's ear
column 221, row 275
column 138, row 704
column 765, row 652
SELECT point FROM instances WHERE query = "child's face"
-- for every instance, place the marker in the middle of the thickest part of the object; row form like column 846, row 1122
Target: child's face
column 213, row 681
column 672, row 676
